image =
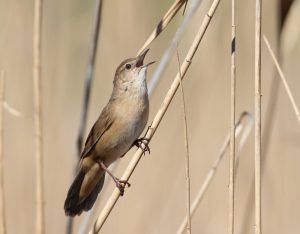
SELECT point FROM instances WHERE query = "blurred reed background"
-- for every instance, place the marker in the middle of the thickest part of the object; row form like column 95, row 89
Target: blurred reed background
column 156, row 201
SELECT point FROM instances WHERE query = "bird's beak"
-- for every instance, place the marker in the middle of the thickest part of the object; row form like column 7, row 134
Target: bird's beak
column 148, row 64
column 140, row 58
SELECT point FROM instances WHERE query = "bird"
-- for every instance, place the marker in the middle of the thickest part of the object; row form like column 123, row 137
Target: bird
column 116, row 130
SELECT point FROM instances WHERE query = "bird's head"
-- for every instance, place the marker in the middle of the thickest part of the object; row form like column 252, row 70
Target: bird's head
column 132, row 70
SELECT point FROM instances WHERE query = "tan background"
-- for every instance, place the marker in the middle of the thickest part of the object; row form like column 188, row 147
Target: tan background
column 155, row 203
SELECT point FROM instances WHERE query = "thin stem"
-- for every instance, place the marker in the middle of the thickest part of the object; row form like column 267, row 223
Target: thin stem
column 167, row 18
column 268, row 128
column 89, row 74
column 12, row 110
column 232, row 123
column 283, row 79
column 87, row 87
column 194, row 5
column 257, row 109
column 239, row 127
column 157, row 119
column 2, row 194
column 185, row 5
column 187, row 153
column 37, row 89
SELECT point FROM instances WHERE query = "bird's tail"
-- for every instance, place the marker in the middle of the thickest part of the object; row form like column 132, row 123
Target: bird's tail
column 84, row 191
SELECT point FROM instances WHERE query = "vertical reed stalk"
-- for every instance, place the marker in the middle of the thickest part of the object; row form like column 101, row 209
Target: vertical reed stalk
column 257, row 124
column 2, row 194
column 232, row 124
column 246, row 128
column 37, row 89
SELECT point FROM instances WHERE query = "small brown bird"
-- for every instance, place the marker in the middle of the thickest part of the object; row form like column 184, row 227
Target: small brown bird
column 117, row 129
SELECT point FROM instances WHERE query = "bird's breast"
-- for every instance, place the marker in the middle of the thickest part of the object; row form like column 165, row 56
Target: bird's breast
column 130, row 118
column 133, row 116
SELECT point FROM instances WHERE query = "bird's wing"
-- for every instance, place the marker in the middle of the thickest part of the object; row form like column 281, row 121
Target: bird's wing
column 103, row 123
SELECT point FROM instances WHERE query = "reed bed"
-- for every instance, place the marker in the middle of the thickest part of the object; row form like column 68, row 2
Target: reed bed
column 239, row 129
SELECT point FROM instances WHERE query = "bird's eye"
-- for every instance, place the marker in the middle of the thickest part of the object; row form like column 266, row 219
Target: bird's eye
column 128, row 66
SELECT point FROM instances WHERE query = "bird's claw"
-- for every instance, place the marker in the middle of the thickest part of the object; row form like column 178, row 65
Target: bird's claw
column 143, row 144
column 121, row 184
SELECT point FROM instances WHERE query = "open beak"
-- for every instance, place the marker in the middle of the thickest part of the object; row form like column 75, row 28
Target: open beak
column 148, row 64
column 140, row 59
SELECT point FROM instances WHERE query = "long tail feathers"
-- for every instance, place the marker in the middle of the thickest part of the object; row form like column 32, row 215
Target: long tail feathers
column 73, row 206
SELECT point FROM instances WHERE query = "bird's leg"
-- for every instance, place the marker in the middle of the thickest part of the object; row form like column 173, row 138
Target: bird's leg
column 119, row 183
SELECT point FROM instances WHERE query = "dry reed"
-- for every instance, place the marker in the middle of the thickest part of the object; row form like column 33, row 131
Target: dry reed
column 87, row 93
column 172, row 46
column 2, row 194
column 167, row 18
column 239, row 127
column 267, row 132
column 89, row 74
column 37, row 90
column 12, row 110
column 232, row 123
column 283, row 79
column 187, row 152
column 157, row 119
column 257, row 110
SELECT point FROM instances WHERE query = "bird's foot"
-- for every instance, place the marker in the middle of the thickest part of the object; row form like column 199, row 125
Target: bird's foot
column 143, row 144
column 121, row 184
